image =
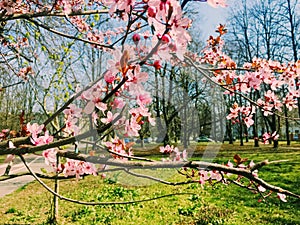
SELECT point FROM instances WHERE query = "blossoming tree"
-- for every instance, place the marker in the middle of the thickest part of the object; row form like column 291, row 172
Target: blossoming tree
column 146, row 35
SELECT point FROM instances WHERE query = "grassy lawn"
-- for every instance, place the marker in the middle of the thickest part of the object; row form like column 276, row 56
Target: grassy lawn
column 219, row 204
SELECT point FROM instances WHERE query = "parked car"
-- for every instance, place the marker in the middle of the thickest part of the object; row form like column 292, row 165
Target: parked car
column 204, row 139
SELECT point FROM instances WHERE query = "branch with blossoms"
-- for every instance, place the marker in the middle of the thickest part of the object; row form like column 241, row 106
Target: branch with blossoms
column 258, row 73
column 200, row 172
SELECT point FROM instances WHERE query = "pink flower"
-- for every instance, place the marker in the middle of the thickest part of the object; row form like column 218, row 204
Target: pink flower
column 261, row 188
column 229, row 164
column 109, row 77
column 50, row 157
column 248, row 121
column 95, row 117
column 118, row 103
column 234, row 112
column 215, row 175
column 151, row 11
column 166, row 149
column 110, row 117
column 41, row 140
column 275, row 136
column 132, row 127
column 266, row 137
column 282, row 197
column 73, row 111
column 71, row 126
column 204, row 176
column 34, row 129
column 144, row 99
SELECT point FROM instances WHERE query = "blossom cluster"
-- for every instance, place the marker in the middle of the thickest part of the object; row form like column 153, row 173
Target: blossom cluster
column 173, row 153
column 204, row 176
column 70, row 167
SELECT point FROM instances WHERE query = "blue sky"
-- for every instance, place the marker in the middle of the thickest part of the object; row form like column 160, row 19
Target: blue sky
column 207, row 18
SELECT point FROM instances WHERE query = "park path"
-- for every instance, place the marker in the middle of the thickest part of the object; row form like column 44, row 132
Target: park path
column 35, row 162
column 9, row 186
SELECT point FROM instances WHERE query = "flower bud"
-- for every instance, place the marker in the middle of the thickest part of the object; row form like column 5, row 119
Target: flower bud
column 136, row 38
column 151, row 11
column 165, row 38
column 157, row 65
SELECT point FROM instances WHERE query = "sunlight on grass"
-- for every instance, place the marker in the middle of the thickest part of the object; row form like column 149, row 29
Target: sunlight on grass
column 219, row 204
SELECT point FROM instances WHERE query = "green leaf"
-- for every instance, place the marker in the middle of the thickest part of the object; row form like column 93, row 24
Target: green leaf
column 97, row 17
column 43, row 170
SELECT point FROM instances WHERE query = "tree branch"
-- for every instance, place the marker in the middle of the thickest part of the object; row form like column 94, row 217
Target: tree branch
column 68, row 36
column 202, row 70
column 191, row 164
column 51, row 14
column 95, row 203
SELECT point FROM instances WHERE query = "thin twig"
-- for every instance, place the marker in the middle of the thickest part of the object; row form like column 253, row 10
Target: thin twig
column 51, row 14
column 68, row 36
column 95, row 203
column 203, row 71
column 71, row 100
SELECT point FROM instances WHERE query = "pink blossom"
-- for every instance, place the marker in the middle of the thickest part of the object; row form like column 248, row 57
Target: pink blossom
column 249, row 121
column 71, row 126
column 132, row 127
column 234, row 112
column 254, row 79
column 41, row 140
column 100, row 105
column 275, row 136
column 174, row 153
column 95, row 117
column 109, row 77
column 50, row 157
column 215, row 175
column 261, row 188
column 73, row 111
column 229, row 164
column 167, row 149
column 34, row 129
column 282, row 197
column 151, row 11
column 118, row 103
column 203, row 176
column 118, row 146
column 144, row 99
column 5, row 131
column 110, row 117
column 266, row 137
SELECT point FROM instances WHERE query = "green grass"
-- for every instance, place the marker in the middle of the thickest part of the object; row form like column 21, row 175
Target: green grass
column 218, row 204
